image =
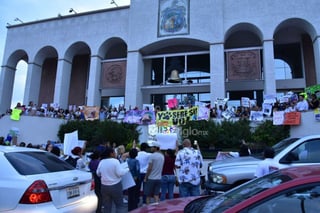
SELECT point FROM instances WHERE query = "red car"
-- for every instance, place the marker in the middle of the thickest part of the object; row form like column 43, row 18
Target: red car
column 294, row 190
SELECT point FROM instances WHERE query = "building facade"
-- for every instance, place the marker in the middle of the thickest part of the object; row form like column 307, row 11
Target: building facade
column 151, row 51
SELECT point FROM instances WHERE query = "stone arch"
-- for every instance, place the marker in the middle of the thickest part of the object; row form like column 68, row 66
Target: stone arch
column 184, row 58
column 243, row 35
column 47, row 60
column 7, row 77
column 293, row 43
column 113, row 48
column 244, row 76
column 78, row 55
column 113, row 53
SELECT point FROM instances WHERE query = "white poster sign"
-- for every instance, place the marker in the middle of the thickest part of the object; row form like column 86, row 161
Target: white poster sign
column 71, row 141
column 167, row 141
column 127, row 180
column 278, row 117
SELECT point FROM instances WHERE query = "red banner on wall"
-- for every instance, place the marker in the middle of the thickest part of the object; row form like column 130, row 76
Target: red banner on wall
column 292, row 118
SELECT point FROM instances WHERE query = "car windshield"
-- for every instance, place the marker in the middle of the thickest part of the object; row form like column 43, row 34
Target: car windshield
column 278, row 147
column 32, row 163
column 222, row 202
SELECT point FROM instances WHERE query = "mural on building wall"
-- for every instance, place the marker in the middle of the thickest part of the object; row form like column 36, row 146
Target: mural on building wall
column 243, row 65
column 113, row 75
column 173, row 17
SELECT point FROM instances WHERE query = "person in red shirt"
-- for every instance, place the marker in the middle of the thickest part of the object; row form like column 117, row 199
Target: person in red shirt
column 168, row 178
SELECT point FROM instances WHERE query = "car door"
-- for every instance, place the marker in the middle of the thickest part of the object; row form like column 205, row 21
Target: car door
column 306, row 153
column 302, row 198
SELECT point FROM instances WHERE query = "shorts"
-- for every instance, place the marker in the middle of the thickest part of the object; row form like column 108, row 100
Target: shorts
column 152, row 187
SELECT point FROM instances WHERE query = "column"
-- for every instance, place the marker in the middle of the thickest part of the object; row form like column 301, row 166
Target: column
column 33, row 82
column 134, row 80
column 6, row 87
column 268, row 68
column 93, row 92
column 316, row 48
column 217, row 72
column 61, row 90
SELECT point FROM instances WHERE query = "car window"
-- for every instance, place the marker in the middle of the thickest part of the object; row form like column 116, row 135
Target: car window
column 230, row 198
column 31, row 163
column 307, row 152
column 278, row 147
column 296, row 200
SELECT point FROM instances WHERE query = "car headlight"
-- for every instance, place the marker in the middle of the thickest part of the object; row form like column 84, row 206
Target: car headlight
column 217, row 178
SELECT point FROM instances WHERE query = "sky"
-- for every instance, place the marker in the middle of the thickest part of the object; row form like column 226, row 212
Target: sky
column 33, row 10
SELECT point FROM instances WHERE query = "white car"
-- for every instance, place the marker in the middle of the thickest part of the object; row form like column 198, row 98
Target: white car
column 33, row 180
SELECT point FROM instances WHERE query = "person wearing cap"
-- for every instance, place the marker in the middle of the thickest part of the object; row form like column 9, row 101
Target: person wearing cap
column 153, row 176
column 189, row 162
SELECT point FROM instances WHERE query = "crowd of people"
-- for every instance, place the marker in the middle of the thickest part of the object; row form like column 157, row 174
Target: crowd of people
column 296, row 102
column 155, row 173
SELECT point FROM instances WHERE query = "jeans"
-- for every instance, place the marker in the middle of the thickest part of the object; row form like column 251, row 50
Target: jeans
column 167, row 185
column 142, row 175
column 188, row 189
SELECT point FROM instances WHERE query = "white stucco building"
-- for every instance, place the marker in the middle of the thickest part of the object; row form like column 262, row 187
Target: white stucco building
column 217, row 48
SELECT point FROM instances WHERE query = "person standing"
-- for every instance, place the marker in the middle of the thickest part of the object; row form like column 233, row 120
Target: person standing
column 111, row 171
column 266, row 166
column 168, row 178
column 314, row 102
column 189, row 162
column 152, row 178
column 134, row 191
column 244, row 149
column 143, row 158
column 302, row 105
column 93, row 165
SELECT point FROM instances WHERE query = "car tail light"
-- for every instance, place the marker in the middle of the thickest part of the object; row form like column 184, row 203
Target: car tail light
column 93, row 185
column 37, row 192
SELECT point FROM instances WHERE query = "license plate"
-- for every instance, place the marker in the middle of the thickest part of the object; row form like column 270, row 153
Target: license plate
column 73, row 192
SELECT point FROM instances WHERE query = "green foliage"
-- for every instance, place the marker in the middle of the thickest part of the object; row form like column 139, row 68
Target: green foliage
column 97, row 132
column 269, row 134
column 223, row 135
column 227, row 134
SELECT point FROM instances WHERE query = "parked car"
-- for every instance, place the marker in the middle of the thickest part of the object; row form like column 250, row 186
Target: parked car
column 223, row 175
column 293, row 189
column 32, row 180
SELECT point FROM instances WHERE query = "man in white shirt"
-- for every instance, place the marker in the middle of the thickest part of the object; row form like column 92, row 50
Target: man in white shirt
column 143, row 158
column 302, row 104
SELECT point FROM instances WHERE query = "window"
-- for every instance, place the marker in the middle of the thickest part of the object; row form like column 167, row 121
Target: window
column 282, row 70
column 307, row 152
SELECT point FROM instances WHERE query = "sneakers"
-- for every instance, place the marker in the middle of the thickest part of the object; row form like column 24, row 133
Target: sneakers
column 125, row 200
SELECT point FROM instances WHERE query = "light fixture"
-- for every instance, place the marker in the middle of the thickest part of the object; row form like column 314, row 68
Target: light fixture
column 72, row 10
column 19, row 20
column 113, row 2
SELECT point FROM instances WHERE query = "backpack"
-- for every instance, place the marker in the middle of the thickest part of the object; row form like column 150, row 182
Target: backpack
column 72, row 161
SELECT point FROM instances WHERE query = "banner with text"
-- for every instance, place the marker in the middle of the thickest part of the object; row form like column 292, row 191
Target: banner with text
column 176, row 117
